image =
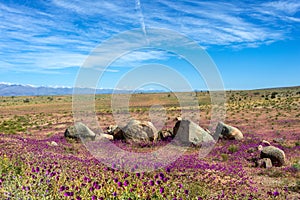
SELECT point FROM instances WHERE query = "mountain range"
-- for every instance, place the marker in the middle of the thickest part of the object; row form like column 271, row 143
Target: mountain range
column 8, row 89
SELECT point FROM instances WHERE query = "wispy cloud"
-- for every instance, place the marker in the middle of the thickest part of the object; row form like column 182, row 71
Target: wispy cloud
column 286, row 6
column 233, row 24
column 137, row 58
column 60, row 34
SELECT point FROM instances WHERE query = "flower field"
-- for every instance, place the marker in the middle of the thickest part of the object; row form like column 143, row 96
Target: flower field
column 38, row 162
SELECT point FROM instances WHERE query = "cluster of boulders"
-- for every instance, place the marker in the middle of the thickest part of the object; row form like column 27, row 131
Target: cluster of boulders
column 185, row 132
column 270, row 156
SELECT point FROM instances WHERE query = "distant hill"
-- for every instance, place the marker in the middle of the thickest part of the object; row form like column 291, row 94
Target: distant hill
column 9, row 89
column 28, row 90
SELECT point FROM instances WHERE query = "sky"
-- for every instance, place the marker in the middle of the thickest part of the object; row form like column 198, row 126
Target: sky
column 254, row 44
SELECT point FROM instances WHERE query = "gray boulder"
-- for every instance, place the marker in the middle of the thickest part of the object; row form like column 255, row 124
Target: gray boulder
column 140, row 131
column 187, row 132
column 276, row 155
column 79, row 131
column 228, row 132
column 264, row 163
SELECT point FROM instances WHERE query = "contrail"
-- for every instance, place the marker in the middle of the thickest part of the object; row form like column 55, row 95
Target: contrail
column 141, row 16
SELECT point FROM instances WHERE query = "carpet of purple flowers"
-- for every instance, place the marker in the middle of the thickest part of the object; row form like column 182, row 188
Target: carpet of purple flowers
column 34, row 169
column 32, row 166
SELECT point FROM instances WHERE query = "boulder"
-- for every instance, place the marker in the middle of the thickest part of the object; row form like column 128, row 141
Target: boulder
column 140, row 131
column 116, row 132
column 187, row 132
column 79, row 131
column 264, row 163
column 276, row 155
column 228, row 132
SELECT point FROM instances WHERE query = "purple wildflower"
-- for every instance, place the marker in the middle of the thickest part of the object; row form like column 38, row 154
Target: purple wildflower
column 186, row 192
column 126, row 183
column 68, row 194
column 62, row 188
column 161, row 190
column 275, row 193
column 125, row 176
column 151, row 183
column 120, row 184
column 168, row 170
column 162, row 176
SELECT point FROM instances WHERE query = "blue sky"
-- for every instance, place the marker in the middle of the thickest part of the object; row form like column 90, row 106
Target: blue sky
column 255, row 44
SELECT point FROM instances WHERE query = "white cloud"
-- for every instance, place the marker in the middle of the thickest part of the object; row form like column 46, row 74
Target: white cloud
column 286, row 6
column 61, row 33
column 137, row 58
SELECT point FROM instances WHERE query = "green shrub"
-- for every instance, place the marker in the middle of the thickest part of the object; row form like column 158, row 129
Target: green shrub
column 233, row 148
column 224, row 157
column 26, row 100
column 296, row 166
column 17, row 124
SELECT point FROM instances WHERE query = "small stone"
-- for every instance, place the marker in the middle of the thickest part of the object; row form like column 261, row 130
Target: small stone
column 264, row 163
column 53, row 143
column 260, row 147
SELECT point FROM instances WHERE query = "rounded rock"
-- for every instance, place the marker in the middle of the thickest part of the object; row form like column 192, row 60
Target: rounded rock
column 276, row 155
